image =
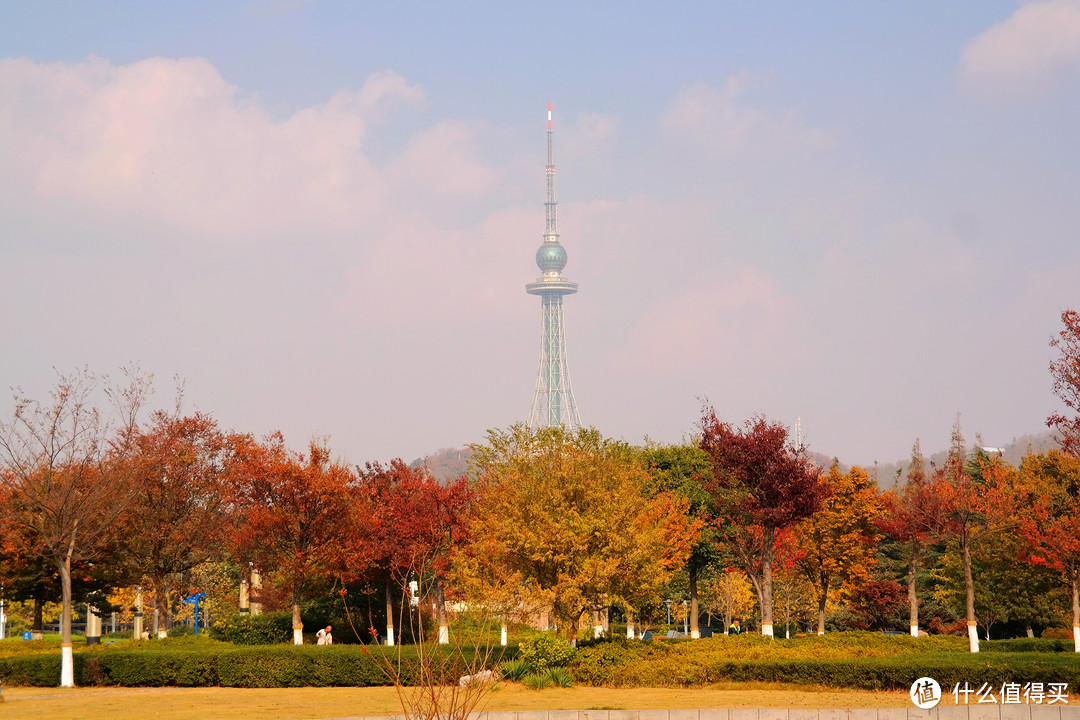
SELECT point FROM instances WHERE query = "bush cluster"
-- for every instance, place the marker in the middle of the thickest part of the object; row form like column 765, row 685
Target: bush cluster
column 818, row 661
column 245, row 629
column 544, row 651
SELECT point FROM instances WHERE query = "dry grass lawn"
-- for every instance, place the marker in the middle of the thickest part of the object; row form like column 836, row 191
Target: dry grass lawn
column 305, row 703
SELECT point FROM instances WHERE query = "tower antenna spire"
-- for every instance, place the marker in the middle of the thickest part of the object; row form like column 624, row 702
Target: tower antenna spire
column 553, row 401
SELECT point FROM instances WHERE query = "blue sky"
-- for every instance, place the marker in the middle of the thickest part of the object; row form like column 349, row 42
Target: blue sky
column 323, row 214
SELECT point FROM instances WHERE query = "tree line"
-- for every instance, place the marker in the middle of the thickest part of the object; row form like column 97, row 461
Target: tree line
column 95, row 497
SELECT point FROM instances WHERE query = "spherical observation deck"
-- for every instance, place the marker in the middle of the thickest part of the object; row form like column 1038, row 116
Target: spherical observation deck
column 551, row 256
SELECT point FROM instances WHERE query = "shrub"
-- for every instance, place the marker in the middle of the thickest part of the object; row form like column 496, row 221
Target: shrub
column 1039, row 645
column 1057, row 633
column 544, row 651
column 560, row 677
column 514, row 670
column 245, row 629
column 536, row 681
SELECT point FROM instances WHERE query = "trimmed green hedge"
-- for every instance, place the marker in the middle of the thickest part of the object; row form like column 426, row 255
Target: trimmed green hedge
column 208, row 663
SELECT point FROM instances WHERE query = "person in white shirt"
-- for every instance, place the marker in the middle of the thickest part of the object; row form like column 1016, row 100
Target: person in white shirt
column 323, row 637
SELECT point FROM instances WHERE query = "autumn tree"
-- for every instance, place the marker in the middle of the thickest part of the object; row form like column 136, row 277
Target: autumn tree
column 177, row 520
column 877, row 603
column 763, row 484
column 294, row 513
column 569, row 513
column 67, row 472
column 729, row 595
column 836, row 545
column 913, row 517
column 411, row 526
column 1065, row 370
column 1052, row 525
column 976, row 496
column 684, row 470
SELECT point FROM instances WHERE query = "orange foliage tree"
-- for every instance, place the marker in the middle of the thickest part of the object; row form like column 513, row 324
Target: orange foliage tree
column 294, row 515
column 1051, row 527
column 837, row 544
column 977, row 499
column 178, row 516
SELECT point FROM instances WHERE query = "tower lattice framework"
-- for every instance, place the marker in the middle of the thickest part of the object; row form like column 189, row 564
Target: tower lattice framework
column 553, row 401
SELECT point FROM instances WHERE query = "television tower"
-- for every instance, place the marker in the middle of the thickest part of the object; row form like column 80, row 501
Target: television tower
column 553, row 401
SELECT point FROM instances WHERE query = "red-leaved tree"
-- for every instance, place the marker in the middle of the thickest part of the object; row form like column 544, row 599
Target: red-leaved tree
column 410, row 527
column 763, row 485
column 913, row 518
column 295, row 514
column 1065, row 369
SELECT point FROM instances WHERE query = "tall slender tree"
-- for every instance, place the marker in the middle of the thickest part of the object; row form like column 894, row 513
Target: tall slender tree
column 763, row 484
column 913, row 517
column 977, row 501
column 68, row 469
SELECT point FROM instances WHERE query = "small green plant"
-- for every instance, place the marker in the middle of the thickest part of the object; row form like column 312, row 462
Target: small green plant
column 514, row 670
column 560, row 677
column 537, row 681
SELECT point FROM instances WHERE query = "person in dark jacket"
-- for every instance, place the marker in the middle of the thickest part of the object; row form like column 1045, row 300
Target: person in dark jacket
column 734, row 629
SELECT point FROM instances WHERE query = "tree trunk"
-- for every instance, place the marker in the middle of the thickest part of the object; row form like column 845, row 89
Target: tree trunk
column 137, row 625
column 822, row 599
column 631, row 631
column 912, row 596
column 766, row 585
column 444, row 626
column 67, row 659
column 297, row 622
column 695, row 631
column 389, row 615
column 161, row 604
column 969, row 588
column 1076, row 609
column 37, row 629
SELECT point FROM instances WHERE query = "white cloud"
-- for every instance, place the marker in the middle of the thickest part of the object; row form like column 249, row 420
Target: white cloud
column 721, row 120
column 172, row 141
column 1026, row 53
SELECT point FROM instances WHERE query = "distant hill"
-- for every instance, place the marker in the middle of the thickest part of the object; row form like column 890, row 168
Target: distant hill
column 449, row 463
column 894, row 473
column 446, row 464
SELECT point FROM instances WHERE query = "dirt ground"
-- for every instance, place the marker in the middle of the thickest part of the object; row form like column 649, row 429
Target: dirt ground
column 311, row 703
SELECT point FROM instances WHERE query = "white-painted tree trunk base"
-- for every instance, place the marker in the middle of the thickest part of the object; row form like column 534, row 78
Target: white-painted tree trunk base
column 37, row 635
column 389, row 637
column 820, row 632
column 914, row 631
column 973, row 637
column 298, row 635
column 695, row 634
column 502, row 637
column 1076, row 637
column 766, row 629
column 162, row 634
column 630, row 631
column 444, row 635
column 598, row 631
column 67, row 666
